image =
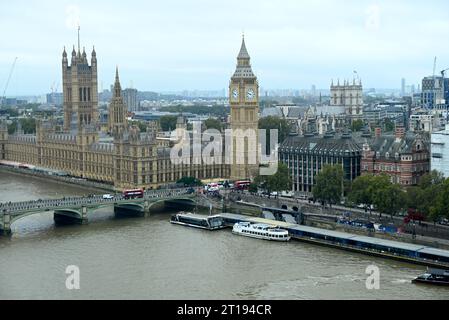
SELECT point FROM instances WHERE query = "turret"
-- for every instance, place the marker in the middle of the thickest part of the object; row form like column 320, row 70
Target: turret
column 64, row 58
column 84, row 56
column 73, row 56
column 94, row 58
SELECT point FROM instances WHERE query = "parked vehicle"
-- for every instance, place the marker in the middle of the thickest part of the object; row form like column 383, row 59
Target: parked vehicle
column 287, row 194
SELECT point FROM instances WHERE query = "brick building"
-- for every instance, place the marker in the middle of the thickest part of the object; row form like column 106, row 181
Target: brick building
column 405, row 157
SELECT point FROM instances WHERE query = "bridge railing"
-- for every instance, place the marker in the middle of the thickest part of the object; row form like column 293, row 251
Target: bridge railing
column 47, row 204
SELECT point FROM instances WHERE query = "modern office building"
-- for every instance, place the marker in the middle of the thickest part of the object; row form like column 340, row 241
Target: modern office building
column 440, row 151
column 306, row 155
column 435, row 93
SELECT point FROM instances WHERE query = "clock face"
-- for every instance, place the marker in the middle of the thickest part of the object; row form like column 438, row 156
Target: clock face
column 250, row 94
column 235, row 93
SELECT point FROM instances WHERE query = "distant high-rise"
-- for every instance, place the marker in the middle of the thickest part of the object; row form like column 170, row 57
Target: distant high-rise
column 313, row 91
column 80, row 88
column 130, row 99
column 403, row 83
column 435, row 92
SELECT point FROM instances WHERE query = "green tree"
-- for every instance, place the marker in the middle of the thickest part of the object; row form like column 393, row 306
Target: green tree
column 12, row 127
column 168, row 123
column 424, row 196
column 414, row 197
column 10, row 112
column 329, row 184
column 357, row 125
column 212, row 123
column 28, row 126
column 390, row 199
column 431, row 179
column 141, row 124
column 253, row 188
column 362, row 191
column 440, row 208
column 278, row 182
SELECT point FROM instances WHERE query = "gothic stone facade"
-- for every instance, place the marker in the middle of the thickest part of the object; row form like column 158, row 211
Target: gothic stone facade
column 126, row 158
column 244, row 101
column 350, row 96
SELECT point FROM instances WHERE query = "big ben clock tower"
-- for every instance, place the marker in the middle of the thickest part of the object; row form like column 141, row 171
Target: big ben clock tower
column 244, row 101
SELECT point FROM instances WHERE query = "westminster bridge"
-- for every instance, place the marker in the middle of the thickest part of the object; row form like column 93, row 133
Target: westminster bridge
column 75, row 210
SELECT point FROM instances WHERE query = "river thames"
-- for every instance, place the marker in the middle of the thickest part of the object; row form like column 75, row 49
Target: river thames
column 152, row 259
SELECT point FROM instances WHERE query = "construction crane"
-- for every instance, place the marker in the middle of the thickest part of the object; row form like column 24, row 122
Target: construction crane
column 443, row 72
column 434, row 98
column 7, row 81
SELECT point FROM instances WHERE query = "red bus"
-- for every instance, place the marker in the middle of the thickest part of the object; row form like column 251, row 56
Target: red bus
column 414, row 215
column 133, row 193
column 242, row 185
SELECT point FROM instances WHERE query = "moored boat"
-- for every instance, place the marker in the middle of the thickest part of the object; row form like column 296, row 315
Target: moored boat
column 260, row 231
column 198, row 221
column 433, row 276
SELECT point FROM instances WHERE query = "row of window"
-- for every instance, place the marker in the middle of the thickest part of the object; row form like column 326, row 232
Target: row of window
column 84, row 94
column 276, row 236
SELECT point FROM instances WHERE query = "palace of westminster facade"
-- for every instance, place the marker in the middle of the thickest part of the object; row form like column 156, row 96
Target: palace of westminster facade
column 122, row 155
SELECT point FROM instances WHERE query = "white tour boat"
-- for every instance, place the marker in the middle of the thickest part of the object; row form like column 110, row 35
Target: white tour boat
column 260, row 231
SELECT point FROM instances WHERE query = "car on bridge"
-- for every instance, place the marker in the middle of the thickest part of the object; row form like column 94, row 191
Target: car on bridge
column 108, row 196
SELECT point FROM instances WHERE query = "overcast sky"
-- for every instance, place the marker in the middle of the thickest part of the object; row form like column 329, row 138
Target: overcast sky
column 192, row 44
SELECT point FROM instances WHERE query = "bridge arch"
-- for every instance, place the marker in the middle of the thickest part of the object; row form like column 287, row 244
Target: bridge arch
column 183, row 201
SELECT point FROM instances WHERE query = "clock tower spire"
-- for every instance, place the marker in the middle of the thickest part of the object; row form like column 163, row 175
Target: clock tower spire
column 244, row 102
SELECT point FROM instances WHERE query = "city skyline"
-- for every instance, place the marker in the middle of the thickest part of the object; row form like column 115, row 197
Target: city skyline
column 175, row 46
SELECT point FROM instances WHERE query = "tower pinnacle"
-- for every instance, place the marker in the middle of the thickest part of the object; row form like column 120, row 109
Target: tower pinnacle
column 117, row 86
column 243, row 54
column 79, row 46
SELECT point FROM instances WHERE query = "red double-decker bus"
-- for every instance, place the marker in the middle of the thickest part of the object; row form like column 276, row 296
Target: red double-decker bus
column 242, row 185
column 133, row 193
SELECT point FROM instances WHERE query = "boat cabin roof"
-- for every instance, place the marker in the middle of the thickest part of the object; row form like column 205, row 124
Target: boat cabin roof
column 197, row 216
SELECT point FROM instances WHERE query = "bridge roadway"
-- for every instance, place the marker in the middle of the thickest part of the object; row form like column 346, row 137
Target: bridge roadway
column 77, row 208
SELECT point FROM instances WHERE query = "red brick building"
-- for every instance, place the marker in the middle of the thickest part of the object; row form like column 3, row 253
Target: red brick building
column 405, row 157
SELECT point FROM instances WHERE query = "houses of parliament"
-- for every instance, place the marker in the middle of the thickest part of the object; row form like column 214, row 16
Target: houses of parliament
column 122, row 155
